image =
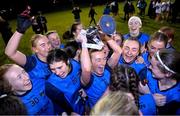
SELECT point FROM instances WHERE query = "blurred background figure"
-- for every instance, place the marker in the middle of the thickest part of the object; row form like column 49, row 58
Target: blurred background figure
column 92, row 12
column 35, row 26
column 76, row 12
column 5, row 29
column 141, row 5
column 114, row 7
column 107, row 10
column 129, row 10
column 41, row 20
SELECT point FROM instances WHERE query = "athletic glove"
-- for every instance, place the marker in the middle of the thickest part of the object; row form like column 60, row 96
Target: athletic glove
column 24, row 21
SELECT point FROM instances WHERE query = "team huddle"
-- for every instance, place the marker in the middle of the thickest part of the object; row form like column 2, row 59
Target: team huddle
column 99, row 74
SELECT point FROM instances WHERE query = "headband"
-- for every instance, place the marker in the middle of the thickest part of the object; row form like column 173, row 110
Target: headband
column 3, row 96
column 159, row 59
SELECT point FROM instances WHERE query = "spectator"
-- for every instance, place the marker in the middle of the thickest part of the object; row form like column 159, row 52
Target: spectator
column 41, row 20
column 151, row 9
column 35, row 26
column 158, row 10
column 92, row 12
column 107, row 10
column 114, row 7
column 76, row 11
column 128, row 10
column 141, row 5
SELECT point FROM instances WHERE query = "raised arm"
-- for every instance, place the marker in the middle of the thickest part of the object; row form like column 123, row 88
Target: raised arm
column 11, row 49
column 113, row 60
column 23, row 23
column 85, row 60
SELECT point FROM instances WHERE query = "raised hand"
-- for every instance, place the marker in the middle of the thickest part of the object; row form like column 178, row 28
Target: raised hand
column 24, row 21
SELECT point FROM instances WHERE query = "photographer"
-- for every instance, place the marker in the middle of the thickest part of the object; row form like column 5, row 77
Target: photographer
column 76, row 11
column 41, row 20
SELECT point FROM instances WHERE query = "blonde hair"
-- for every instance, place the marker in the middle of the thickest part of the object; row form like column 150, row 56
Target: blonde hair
column 35, row 38
column 115, row 103
column 136, row 19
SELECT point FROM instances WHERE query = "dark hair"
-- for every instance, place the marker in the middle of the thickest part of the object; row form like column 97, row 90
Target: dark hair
column 57, row 55
column 68, row 35
column 171, row 59
column 11, row 105
column 133, row 39
column 71, row 48
column 125, row 78
column 74, row 27
column 159, row 36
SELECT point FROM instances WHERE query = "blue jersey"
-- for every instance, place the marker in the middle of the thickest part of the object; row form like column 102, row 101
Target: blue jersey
column 137, row 66
column 97, row 87
column 147, row 104
column 36, row 68
column 145, row 56
column 172, row 94
column 36, row 101
column 143, row 38
column 169, row 46
column 61, row 46
column 70, row 86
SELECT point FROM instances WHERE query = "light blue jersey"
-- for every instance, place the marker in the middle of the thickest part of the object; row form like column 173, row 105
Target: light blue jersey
column 70, row 86
column 97, row 87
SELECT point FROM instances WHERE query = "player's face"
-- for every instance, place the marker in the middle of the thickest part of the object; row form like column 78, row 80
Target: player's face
column 18, row 79
column 130, row 50
column 78, row 29
column 154, row 46
column 98, row 59
column 55, row 40
column 60, row 68
column 134, row 27
column 43, row 46
column 155, row 70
